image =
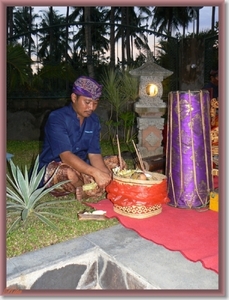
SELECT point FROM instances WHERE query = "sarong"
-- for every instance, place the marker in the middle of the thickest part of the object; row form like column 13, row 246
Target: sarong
column 61, row 174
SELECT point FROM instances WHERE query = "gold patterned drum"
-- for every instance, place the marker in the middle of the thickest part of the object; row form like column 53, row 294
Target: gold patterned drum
column 188, row 151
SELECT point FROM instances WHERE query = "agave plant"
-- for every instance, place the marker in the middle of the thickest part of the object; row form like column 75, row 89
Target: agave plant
column 25, row 194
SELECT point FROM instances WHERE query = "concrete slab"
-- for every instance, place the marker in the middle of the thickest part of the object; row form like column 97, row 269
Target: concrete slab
column 161, row 268
column 167, row 269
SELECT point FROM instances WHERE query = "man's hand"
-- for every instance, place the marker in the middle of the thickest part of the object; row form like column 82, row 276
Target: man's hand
column 101, row 178
column 101, row 174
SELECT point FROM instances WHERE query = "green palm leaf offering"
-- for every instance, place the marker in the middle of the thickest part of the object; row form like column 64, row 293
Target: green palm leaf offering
column 24, row 195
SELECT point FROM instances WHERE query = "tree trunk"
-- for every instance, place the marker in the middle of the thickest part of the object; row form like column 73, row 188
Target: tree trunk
column 66, row 46
column 10, row 22
column 51, row 34
column 87, row 18
column 112, row 39
column 213, row 18
column 30, row 27
column 123, row 37
column 197, row 21
column 128, row 58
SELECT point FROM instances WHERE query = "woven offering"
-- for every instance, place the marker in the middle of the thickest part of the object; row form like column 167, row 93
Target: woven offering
column 137, row 194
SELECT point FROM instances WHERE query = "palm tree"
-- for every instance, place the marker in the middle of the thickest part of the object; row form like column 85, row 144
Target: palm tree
column 139, row 36
column 166, row 19
column 129, row 31
column 52, row 51
column 93, row 41
column 19, row 71
column 52, row 37
column 24, row 23
column 194, row 13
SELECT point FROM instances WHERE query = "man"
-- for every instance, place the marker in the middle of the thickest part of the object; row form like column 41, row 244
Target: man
column 71, row 144
column 212, row 85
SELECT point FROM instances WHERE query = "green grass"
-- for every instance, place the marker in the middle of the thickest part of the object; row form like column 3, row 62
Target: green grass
column 34, row 234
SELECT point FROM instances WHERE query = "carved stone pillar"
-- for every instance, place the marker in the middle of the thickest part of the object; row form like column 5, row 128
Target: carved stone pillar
column 150, row 107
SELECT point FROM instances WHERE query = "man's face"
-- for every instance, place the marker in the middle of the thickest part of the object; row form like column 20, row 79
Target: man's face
column 83, row 106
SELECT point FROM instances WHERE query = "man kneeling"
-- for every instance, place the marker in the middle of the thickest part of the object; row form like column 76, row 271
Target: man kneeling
column 72, row 144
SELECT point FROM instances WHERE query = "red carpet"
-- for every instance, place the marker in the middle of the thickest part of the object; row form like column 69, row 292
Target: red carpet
column 192, row 232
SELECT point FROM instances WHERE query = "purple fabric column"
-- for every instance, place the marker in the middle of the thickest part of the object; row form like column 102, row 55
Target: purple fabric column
column 188, row 151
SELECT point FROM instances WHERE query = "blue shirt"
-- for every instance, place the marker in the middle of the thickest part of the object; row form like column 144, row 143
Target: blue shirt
column 64, row 133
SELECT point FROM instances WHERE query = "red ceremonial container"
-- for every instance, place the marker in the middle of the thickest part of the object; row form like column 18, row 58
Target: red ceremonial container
column 138, row 198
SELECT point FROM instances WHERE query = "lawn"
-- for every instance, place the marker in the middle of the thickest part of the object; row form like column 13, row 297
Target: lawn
column 34, row 234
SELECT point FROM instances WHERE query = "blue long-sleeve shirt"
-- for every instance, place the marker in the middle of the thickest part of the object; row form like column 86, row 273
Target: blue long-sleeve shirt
column 64, row 133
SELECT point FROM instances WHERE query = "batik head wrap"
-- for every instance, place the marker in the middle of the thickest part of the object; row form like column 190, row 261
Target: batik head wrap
column 88, row 87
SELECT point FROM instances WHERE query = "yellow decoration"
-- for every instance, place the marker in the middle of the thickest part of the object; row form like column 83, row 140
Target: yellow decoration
column 214, row 201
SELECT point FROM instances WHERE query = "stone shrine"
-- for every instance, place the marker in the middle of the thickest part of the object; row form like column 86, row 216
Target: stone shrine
column 150, row 107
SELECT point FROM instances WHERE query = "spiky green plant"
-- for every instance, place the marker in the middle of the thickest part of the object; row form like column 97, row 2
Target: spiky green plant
column 111, row 81
column 129, row 87
column 120, row 89
column 128, row 119
column 25, row 195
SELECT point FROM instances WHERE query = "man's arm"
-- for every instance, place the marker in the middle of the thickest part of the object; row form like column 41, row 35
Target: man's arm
column 97, row 161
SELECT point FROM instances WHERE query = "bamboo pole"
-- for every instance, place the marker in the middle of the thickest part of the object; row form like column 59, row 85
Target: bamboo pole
column 119, row 153
column 139, row 157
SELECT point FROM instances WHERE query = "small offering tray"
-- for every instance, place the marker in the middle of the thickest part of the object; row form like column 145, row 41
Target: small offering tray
column 98, row 215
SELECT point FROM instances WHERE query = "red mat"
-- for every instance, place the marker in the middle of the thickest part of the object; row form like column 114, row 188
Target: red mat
column 193, row 232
